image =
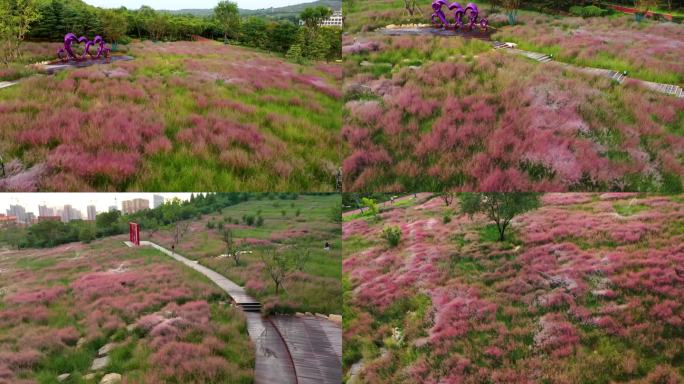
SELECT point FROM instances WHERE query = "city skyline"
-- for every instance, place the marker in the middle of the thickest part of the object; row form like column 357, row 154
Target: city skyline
column 79, row 201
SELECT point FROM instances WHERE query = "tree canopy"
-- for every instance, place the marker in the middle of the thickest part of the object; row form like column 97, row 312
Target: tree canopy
column 228, row 18
column 499, row 207
column 313, row 16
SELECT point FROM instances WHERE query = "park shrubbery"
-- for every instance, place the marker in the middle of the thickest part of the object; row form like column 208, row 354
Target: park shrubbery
column 589, row 11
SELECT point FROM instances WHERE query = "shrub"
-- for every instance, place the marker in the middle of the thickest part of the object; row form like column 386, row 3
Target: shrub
column 447, row 218
column 392, row 234
column 588, row 11
column 248, row 219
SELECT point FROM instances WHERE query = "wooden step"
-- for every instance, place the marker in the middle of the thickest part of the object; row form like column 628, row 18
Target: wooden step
column 250, row 307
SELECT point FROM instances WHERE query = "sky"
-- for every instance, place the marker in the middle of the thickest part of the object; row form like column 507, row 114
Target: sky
column 192, row 4
column 80, row 201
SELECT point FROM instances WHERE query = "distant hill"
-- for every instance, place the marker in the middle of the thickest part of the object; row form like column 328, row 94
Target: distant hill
column 288, row 12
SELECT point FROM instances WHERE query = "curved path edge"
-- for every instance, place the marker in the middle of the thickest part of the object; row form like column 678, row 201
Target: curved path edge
column 273, row 359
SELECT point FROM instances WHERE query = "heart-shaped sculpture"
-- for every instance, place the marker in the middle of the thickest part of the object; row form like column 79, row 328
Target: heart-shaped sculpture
column 69, row 39
column 471, row 11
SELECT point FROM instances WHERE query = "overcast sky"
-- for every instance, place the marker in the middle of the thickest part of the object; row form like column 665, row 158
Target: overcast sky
column 80, row 201
column 191, row 4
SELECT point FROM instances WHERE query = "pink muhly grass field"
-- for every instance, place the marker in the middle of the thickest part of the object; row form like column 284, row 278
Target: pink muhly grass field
column 183, row 104
column 495, row 122
column 138, row 299
column 581, row 281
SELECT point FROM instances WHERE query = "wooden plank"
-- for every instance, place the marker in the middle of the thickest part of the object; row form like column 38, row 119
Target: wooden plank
column 316, row 359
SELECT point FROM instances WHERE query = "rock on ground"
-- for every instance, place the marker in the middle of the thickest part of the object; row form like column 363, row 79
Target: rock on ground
column 99, row 363
column 111, row 378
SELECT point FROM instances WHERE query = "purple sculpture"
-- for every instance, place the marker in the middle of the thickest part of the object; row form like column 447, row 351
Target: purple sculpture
column 439, row 19
column 67, row 53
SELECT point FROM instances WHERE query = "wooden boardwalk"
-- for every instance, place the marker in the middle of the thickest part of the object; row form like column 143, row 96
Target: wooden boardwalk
column 236, row 292
column 619, row 77
column 273, row 361
column 316, row 347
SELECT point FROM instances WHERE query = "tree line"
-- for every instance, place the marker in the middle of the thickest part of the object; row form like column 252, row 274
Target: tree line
column 50, row 20
column 48, row 234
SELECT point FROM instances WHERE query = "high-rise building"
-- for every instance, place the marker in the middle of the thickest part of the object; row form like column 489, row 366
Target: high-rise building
column 70, row 213
column 157, row 201
column 30, row 218
column 92, row 213
column 134, row 205
column 43, row 210
column 18, row 211
column 66, row 213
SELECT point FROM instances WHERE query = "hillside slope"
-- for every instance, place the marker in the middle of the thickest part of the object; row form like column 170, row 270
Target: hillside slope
column 301, row 225
column 59, row 306
column 182, row 116
column 587, row 289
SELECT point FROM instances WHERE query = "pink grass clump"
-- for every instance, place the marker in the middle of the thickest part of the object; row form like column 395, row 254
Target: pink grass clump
column 556, row 335
column 44, row 296
column 190, row 362
column 94, row 285
column 22, row 359
column 456, row 313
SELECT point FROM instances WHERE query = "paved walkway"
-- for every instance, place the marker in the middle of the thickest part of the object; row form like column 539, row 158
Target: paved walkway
column 236, row 292
column 56, row 67
column 5, row 84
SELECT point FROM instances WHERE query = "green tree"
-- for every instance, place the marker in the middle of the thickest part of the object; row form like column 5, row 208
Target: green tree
column 499, row 207
column 107, row 223
column 232, row 247
column 86, row 234
column 13, row 235
column 253, row 32
column 295, row 54
column 16, row 17
column 277, row 265
column 371, row 205
column 114, row 25
column 313, row 16
column 282, row 36
column 228, row 18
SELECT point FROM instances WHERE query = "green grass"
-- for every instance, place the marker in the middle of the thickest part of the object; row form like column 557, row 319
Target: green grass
column 35, row 264
column 307, row 231
column 629, row 209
